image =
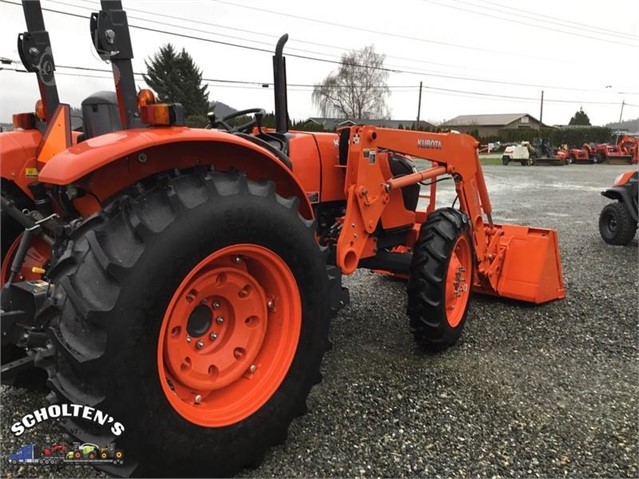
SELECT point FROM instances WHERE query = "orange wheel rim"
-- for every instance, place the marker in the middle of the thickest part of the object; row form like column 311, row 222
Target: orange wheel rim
column 458, row 281
column 229, row 335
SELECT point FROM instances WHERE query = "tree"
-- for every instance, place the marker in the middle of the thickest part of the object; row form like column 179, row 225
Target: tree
column 580, row 118
column 176, row 79
column 359, row 88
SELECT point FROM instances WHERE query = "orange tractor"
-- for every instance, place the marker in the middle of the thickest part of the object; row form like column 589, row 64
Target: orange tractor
column 624, row 152
column 630, row 146
column 182, row 280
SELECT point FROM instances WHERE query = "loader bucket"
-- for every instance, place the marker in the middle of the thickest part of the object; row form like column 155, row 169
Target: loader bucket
column 531, row 270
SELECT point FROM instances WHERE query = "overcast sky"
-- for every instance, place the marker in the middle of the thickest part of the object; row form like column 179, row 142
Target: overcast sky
column 473, row 56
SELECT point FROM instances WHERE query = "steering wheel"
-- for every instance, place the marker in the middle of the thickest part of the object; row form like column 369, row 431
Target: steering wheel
column 244, row 128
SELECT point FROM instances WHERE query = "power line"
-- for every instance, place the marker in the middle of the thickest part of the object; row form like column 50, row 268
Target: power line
column 305, row 57
column 361, row 29
column 308, row 87
column 251, row 32
column 511, row 20
column 581, row 26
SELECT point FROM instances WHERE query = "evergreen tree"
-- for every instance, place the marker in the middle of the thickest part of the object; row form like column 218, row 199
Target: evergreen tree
column 176, row 79
column 580, row 118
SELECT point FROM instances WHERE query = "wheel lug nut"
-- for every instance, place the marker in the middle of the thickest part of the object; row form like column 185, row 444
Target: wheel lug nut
column 198, row 399
column 213, row 336
column 204, row 302
column 188, row 339
column 252, row 368
column 238, row 259
column 200, row 344
column 219, row 319
column 270, row 304
column 216, row 305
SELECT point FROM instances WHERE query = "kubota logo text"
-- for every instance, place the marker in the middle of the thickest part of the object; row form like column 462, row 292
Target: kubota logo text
column 432, row 144
column 66, row 410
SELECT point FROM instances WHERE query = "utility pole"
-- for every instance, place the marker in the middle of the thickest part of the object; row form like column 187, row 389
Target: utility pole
column 623, row 102
column 541, row 110
column 419, row 105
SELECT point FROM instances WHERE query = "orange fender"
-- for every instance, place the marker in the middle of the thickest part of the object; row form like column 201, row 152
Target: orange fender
column 109, row 163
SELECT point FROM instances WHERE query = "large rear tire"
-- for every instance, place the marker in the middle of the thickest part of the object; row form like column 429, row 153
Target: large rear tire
column 195, row 314
column 616, row 225
column 440, row 280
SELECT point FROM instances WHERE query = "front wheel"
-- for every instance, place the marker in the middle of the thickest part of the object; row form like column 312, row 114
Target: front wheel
column 616, row 225
column 202, row 302
column 505, row 160
column 441, row 275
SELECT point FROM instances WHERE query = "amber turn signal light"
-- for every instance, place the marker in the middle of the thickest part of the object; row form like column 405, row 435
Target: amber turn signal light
column 159, row 114
column 39, row 110
column 145, row 97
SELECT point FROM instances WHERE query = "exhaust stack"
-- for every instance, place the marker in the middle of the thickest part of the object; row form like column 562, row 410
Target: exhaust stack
column 279, row 85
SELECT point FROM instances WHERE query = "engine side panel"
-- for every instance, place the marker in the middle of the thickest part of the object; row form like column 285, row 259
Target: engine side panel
column 304, row 155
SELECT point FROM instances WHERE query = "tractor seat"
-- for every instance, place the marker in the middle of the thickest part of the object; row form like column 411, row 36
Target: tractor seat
column 276, row 143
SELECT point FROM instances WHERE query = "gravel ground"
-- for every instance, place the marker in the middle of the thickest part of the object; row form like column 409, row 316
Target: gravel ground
column 529, row 391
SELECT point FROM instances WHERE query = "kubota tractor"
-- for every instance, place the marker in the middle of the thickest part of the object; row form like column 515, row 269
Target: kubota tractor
column 579, row 155
column 618, row 220
column 182, row 280
column 630, row 146
column 614, row 154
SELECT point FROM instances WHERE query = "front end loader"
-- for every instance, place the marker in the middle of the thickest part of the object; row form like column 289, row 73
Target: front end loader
column 182, row 280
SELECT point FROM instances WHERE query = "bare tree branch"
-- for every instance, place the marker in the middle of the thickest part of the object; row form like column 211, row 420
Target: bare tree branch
column 357, row 90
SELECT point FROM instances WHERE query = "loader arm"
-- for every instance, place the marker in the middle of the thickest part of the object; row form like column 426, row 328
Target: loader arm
column 368, row 195
column 34, row 48
column 368, row 191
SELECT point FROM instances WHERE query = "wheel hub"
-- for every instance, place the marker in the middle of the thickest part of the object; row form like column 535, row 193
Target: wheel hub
column 458, row 281
column 229, row 335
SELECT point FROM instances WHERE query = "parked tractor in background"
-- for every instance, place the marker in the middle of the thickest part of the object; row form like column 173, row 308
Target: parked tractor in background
column 541, row 153
column 591, row 150
column 579, row 155
column 622, row 153
column 182, row 280
column 618, row 220
column 536, row 152
column 630, row 146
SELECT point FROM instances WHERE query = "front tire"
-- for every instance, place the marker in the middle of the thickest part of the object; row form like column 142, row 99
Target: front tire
column 201, row 302
column 616, row 225
column 441, row 275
